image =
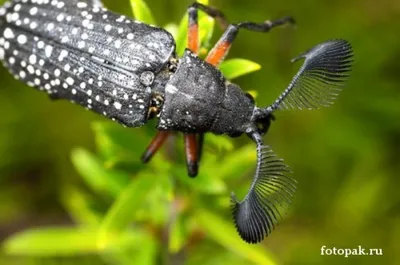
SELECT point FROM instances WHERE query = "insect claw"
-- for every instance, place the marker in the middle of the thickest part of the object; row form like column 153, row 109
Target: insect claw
column 146, row 157
column 192, row 168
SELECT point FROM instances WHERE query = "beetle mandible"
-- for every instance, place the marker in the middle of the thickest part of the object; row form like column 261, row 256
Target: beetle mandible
column 128, row 71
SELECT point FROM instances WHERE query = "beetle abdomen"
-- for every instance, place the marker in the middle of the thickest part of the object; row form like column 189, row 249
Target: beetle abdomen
column 86, row 54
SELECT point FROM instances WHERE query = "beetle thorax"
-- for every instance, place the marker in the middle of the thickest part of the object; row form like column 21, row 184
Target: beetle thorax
column 199, row 99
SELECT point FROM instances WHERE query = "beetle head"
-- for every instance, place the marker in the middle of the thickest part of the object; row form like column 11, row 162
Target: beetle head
column 262, row 119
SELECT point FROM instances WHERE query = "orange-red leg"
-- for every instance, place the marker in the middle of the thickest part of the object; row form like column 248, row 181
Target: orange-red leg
column 221, row 49
column 155, row 144
column 191, row 150
column 193, row 30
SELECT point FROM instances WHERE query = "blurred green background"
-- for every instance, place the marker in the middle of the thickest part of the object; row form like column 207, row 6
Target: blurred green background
column 104, row 207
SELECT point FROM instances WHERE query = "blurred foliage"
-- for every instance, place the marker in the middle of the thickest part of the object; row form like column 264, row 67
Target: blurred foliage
column 107, row 208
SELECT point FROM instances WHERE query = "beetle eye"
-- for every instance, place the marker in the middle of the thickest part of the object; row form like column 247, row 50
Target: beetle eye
column 263, row 126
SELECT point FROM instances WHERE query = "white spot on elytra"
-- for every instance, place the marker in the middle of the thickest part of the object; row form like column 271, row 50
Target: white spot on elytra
column 81, row 44
column 33, row 11
column 8, row 34
column 85, row 23
column 32, row 59
column 81, row 5
column 22, row 74
column 50, row 27
column 17, row 7
column 64, row 39
column 14, row 16
column 22, row 39
column 118, row 44
column 60, row 18
column 48, row 50
column 57, row 72
column 33, row 25
column 117, row 105
column 40, row 44
column 1, row 53
column 30, row 69
column 70, row 81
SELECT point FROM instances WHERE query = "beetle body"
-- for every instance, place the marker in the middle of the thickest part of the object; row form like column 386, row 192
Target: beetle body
column 114, row 70
column 129, row 72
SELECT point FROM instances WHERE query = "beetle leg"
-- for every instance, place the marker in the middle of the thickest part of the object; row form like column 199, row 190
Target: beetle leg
column 212, row 12
column 193, row 30
column 155, row 144
column 191, row 149
column 221, row 49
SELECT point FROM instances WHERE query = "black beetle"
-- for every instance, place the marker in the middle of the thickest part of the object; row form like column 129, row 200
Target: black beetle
column 128, row 71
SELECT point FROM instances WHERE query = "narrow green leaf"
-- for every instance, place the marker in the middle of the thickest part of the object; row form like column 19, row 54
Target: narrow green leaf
column 78, row 206
column 172, row 28
column 57, row 241
column 233, row 68
column 134, row 247
column 120, row 215
column 142, row 12
column 178, row 234
column 181, row 38
column 206, row 30
column 225, row 234
column 115, row 143
column 96, row 176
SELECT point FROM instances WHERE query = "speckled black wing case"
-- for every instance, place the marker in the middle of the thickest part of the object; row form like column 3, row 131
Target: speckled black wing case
column 85, row 54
